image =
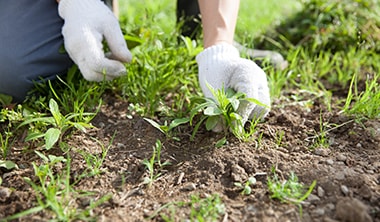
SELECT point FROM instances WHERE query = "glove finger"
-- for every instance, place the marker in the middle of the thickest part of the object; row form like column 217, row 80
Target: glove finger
column 116, row 42
column 88, row 54
column 244, row 79
column 102, row 69
column 250, row 79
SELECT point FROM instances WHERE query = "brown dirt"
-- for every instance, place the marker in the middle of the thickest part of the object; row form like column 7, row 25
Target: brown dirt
column 347, row 172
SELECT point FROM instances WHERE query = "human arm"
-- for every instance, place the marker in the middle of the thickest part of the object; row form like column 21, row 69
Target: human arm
column 220, row 64
column 87, row 22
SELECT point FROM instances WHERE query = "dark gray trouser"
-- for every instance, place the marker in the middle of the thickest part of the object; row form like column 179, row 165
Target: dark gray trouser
column 30, row 45
column 30, row 41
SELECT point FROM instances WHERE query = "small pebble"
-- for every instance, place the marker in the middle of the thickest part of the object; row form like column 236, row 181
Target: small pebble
column 330, row 161
column 189, row 187
column 321, row 192
column 313, row 198
column 319, row 212
column 339, row 175
column 344, row 189
column 5, row 193
column 352, row 210
column 330, row 206
column 341, row 157
column 322, row 151
column 120, row 145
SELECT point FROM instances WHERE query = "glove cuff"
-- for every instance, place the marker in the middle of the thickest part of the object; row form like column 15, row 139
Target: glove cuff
column 66, row 6
column 216, row 53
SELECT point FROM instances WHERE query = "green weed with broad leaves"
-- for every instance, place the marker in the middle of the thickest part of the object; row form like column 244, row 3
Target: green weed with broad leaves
column 55, row 125
column 222, row 112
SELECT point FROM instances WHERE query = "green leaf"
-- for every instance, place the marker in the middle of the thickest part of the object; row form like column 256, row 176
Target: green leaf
column 55, row 111
column 230, row 92
column 177, row 122
column 155, row 125
column 212, row 111
column 132, row 41
column 39, row 119
column 247, row 190
column 33, row 136
column 211, row 122
column 221, row 142
column 234, row 103
column 7, row 164
column 257, row 102
column 252, row 180
column 42, row 156
column 51, row 137
column 5, row 99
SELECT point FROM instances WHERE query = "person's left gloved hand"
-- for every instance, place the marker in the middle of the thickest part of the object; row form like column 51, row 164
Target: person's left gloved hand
column 221, row 66
column 86, row 23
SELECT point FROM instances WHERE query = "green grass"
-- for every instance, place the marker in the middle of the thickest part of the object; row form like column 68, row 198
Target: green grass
column 255, row 17
column 330, row 50
column 289, row 191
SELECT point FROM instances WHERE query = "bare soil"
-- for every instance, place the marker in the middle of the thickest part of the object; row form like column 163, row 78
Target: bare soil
column 347, row 172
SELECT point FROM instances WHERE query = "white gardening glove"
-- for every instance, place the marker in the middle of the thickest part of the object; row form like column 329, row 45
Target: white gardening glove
column 86, row 23
column 221, row 66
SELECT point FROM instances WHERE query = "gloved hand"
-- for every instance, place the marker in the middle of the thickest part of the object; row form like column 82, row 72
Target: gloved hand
column 86, row 23
column 221, row 66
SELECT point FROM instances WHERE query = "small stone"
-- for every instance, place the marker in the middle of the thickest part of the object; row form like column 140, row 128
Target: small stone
column 339, row 175
column 352, row 210
column 5, row 193
column 313, row 198
column 120, row 145
column 344, row 189
column 270, row 212
column 322, row 152
column 320, row 192
column 330, row 206
column 238, row 173
column 359, row 145
column 319, row 212
column 365, row 192
column 341, row 157
column 189, row 186
column 330, row 161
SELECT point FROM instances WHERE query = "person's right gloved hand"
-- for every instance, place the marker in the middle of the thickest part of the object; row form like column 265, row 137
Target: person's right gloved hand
column 86, row 23
column 221, row 66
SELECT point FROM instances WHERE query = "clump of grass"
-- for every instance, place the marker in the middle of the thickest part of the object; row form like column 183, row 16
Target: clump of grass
column 162, row 76
column 364, row 103
column 221, row 113
column 154, row 165
column 330, row 25
column 55, row 126
column 209, row 208
column 289, row 191
column 54, row 192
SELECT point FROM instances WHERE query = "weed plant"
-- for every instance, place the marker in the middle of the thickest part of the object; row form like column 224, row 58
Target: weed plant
column 289, row 191
column 209, row 208
column 220, row 114
column 332, row 48
column 55, row 125
column 55, row 193
column 154, row 172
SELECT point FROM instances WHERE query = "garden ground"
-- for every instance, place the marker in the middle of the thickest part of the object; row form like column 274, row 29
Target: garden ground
column 316, row 137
